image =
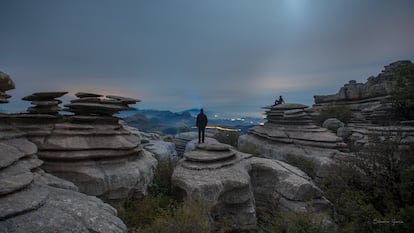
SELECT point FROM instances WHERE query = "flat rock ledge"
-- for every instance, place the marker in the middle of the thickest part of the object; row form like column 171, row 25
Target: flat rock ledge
column 240, row 187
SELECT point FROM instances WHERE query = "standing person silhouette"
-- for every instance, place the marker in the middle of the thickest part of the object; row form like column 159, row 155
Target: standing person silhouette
column 201, row 125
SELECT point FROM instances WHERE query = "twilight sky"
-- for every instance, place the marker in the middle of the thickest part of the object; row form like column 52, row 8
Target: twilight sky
column 223, row 55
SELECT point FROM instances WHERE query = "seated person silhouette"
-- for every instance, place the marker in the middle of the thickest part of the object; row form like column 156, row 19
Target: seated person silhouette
column 279, row 101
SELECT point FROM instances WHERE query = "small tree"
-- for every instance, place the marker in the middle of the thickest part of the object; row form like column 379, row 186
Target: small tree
column 342, row 113
column 403, row 91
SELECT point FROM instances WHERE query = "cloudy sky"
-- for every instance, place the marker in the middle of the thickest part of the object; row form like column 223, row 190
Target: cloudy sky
column 223, row 55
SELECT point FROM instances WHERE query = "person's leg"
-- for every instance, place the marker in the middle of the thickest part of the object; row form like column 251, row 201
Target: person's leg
column 199, row 135
column 202, row 139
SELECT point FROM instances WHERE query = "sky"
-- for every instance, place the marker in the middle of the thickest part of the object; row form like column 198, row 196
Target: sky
column 223, row 55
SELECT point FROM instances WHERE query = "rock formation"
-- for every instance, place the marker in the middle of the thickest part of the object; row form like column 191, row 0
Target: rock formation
column 5, row 84
column 239, row 187
column 90, row 148
column 32, row 200
column 95, row 152
column 180, row 140
column 371, row 106
column 370, row 102
column 90, row 104
column 45, row 102
column 290, row 134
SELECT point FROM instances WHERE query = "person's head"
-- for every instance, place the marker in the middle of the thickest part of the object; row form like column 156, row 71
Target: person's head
column 280, row 96
column 201, row 110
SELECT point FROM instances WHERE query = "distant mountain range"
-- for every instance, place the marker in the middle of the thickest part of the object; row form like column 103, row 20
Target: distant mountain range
column 173, row 122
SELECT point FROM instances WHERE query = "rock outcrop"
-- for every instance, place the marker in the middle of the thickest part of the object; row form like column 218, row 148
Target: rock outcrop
column 370, row 102
column 240, row 187
column 95, row 152
column 181, row 140
column 90, row 148
column 371, row 106
column 45, row 102
column 378, row 86
column 32, row 200
column 5, row 84
column 290, row 134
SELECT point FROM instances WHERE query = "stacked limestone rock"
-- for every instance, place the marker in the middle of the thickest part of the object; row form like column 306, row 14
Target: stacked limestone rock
column 181, row 140
column 291, row 134
column 34, row 201
column 370, row 102
column 5, row 84
column 372, row 108
column 239, row 187
column 45, row 102
column 90, row 104
column 94, row 151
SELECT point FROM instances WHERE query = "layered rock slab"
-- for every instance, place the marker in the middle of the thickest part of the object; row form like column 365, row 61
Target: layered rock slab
column 291, row 134
column 34, row 201
column 239, row 186
column 45, row 102
column 91, row 150
column 103, row 160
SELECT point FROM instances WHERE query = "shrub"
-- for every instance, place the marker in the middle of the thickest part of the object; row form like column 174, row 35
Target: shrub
column 230, row 138
column 402, row 91
column 253, row 150
column 191, row 216
column 342, row 113
column 376, row 185
column 307, row 165
column 138, row 213
column 289, row 222
column 161, row 184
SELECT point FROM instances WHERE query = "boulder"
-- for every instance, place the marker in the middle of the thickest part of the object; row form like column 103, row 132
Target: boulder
column 240, row 187
column 332, row 124
column 161, row 149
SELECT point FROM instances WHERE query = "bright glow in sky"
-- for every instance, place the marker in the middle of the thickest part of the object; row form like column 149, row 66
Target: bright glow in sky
column 233, row 55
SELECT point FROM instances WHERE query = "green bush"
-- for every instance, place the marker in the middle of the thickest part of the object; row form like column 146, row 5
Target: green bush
column 307, row 165
column 161, row 184
column 229, row 138
column 251, row 150
column 342, row 113
column 191, row 216
column 402, row 92
column 373, row 191
column 289, row 222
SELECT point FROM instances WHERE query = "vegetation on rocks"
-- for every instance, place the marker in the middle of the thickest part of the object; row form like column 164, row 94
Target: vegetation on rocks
column 309, row 166
column 230, row 138
column 373, row 192
column 342, row 113
column 403, row 91
column 161, row 212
